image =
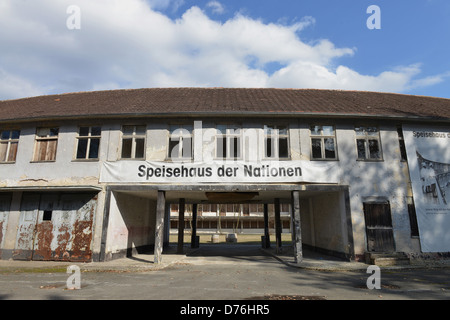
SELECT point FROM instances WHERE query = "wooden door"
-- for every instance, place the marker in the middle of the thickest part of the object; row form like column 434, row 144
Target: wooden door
column 379, row 232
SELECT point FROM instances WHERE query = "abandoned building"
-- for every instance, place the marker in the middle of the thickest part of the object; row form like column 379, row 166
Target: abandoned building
column 94, row 176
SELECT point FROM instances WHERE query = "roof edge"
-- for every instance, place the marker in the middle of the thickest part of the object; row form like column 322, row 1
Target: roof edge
column 277, row 114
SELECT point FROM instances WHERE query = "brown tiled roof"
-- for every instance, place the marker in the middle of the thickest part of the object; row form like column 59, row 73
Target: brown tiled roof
column 226, row 102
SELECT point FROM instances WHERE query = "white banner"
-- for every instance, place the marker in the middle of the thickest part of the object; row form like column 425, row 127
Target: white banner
column 219, row 172
column 428, row 151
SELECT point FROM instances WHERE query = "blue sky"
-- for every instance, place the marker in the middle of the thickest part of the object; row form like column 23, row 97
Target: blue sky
column 211, row 43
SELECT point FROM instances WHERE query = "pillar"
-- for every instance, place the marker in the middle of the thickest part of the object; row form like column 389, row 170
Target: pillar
column 266, row 227
column 298, row 253
column 278, row 227
column 181, row 206
column 159, row 229
column 194, row 243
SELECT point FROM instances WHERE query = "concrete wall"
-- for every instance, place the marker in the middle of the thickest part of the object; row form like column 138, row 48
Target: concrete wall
column 387, row 179
column 131, row 225
column 63, row 171
column 324, row 224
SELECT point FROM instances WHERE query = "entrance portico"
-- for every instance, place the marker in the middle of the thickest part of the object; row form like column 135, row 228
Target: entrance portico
column 136, row 216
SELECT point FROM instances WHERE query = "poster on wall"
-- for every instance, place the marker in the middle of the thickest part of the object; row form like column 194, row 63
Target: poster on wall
column 428, row 151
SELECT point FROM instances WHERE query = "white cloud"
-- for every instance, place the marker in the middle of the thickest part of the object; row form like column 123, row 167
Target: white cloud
column 12, row 86
column 129, row 44
column 216, row 7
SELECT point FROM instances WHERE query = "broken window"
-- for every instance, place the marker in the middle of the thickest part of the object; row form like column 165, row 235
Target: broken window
column 133, row 142
column 46, row 144
column 9, row 141
column 88, row 143
column 276, row 142
column 368, row 143
column 323, row 143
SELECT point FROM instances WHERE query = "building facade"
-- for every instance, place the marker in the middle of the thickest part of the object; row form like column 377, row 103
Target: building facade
column 92, row 176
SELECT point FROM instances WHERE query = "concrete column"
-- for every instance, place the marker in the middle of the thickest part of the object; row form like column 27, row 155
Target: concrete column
column 194, row 243
column 266, row 226
column 181, row 206
column 166, row 241
column 298, row 253
column 159, row 230
column 278, row 227
column 105, row 225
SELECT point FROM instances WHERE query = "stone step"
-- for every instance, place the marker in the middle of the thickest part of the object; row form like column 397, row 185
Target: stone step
column 387, row 259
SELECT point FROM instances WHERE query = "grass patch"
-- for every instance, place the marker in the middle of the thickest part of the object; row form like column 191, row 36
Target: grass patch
column 52, row 269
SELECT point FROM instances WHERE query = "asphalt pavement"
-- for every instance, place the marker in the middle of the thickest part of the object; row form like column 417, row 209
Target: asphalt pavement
column 221, row 273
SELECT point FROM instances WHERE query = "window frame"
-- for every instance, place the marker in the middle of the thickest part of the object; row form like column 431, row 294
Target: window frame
column 39, row 139
column 89, row 138
column 8, row 143
column 366, row 137
column 275, row 136
column 134, row 137
column 323, row 138
column 230, row 134
column 181, row 136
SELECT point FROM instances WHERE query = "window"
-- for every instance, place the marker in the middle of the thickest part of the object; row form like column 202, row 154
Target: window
column 412, row 217
column 276, row 142
column 46, row 143
column 9, row 140
column 47, row 216
column 368, row 143
column 228, row 142
column 133, row 142
column 180, row 142
column 401, row 141
column 88, row 142
column 323, row 143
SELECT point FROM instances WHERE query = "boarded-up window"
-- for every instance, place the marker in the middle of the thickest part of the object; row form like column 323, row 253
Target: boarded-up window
column 46, row 144
column 9, row 141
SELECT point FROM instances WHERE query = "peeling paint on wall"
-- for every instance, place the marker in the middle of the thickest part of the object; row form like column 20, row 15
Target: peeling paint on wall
column 56, row 227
